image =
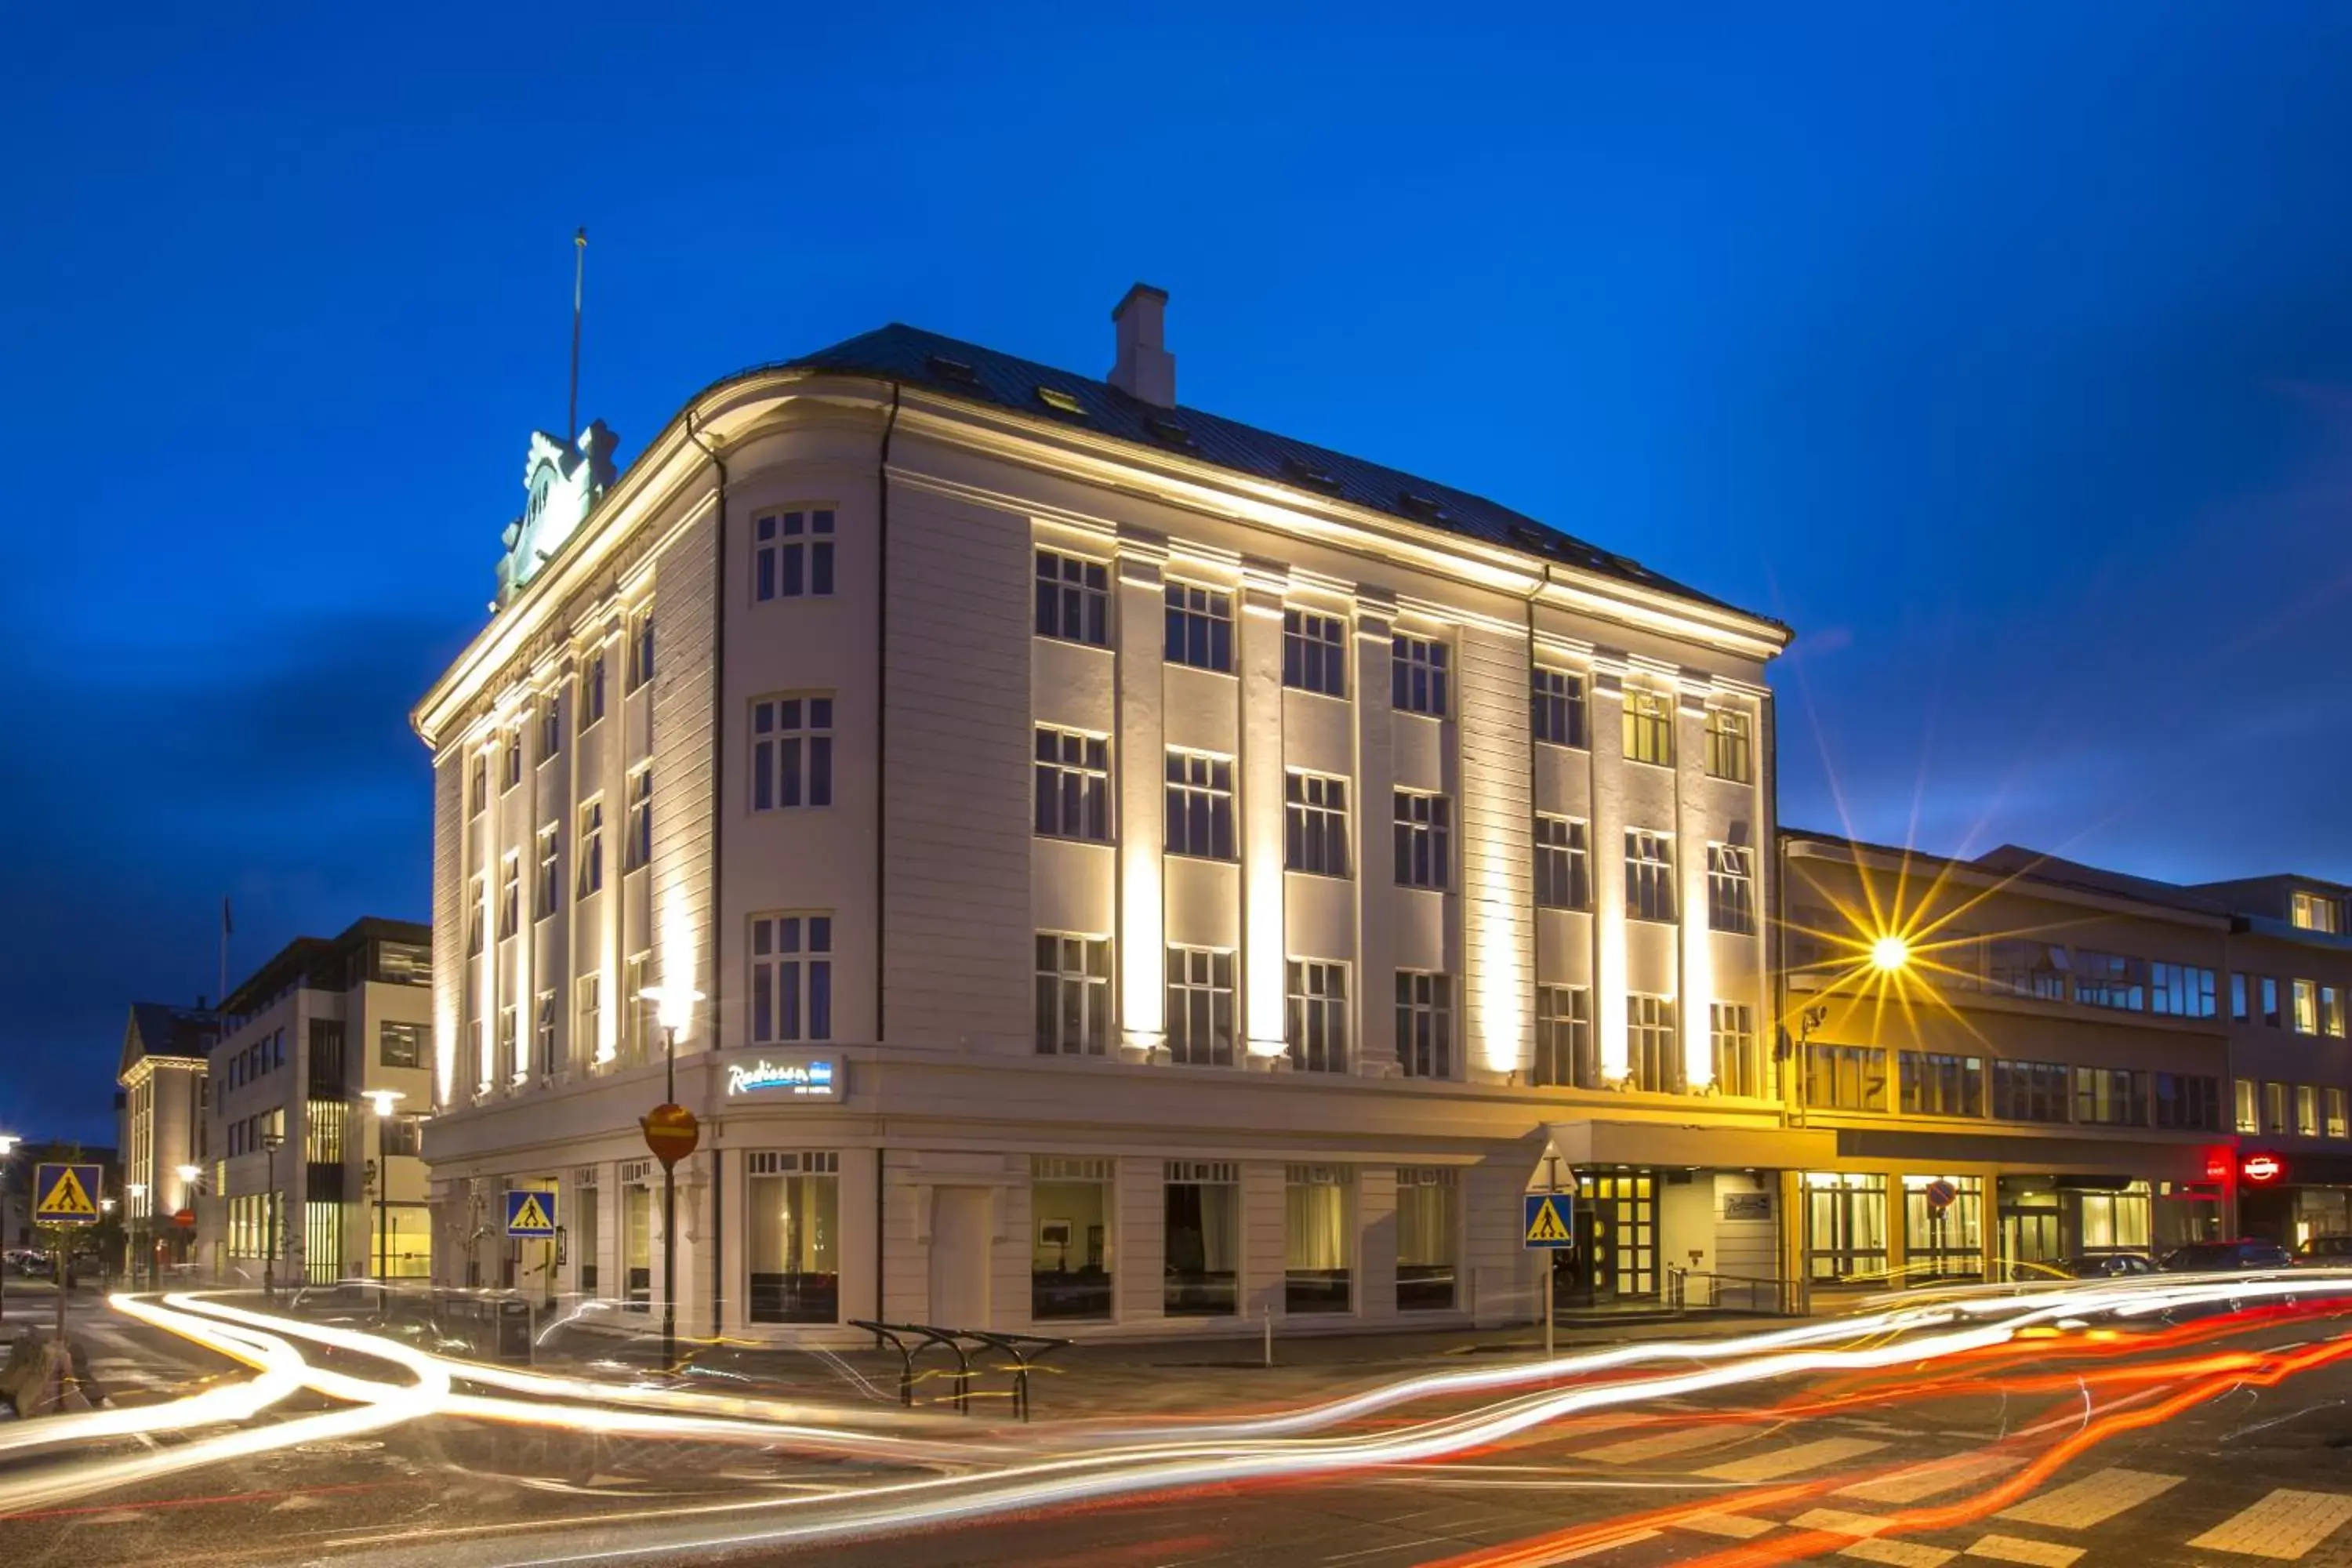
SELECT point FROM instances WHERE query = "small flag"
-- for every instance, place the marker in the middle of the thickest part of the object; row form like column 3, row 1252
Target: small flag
column 228, row 926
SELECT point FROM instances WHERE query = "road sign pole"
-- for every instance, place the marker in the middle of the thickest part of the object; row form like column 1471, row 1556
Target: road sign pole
column 1548, row 1272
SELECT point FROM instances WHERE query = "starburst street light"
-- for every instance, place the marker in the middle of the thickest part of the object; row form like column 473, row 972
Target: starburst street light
column 1890, row 954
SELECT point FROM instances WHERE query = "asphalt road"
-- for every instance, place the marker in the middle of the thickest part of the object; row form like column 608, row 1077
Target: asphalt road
column 2145, row 1446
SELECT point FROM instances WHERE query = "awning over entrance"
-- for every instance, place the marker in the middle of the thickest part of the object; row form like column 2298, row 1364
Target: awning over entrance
column 1662, row 1144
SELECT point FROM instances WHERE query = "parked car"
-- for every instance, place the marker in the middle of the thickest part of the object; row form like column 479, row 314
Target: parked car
column 2226, row 1256
column 2325, row 1252
column 2110, row 1266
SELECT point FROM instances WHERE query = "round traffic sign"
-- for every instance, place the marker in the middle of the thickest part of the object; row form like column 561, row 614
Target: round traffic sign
column 671, row 1132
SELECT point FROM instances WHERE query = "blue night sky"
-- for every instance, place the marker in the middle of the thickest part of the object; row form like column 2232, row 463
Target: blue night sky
column 2004, row 351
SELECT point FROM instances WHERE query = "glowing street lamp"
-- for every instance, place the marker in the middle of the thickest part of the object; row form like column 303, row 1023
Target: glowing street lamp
column 384, row 1099
column 672, row 1134
column 1890, row 954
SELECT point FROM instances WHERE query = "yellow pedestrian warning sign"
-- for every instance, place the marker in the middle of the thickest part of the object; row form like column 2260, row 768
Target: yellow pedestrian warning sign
column 66, row 1195
column 1551, row 1219
column 530, row 1214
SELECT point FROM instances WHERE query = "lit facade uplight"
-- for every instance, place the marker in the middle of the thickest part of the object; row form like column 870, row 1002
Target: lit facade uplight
column 188, row 1173
column 1890, row 954
column 382, row 1100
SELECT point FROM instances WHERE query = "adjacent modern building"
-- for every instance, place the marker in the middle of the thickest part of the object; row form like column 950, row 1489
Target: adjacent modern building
column 161, row 1113
column 1142, row 874
column 318, row 1087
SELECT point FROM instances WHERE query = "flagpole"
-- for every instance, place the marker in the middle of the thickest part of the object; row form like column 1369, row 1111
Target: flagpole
column 579, row 272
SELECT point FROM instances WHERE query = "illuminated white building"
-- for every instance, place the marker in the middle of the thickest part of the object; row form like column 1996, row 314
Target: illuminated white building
column 161, row 1118
column 1143, row 871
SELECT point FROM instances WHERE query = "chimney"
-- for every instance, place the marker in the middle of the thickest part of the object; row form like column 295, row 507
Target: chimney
column 1145, row 370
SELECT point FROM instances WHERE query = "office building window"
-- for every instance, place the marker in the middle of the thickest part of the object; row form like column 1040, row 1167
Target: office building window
column 592, row 849
column 1563, row 864
column 1073, row 995
column 2306, row 1111
column 2269, row 1003
column 477, row 783
column 2275, row 1109
column 2317, row 912
column 510, row 758
column 2188, row 1102
column 2239, row 1012
column 591, row 692
column 1556, row 707
column 1564, row 1057
column 1315, row 824
column 1731, row 889
column 2030, row 1091
column 2020, row 966
column 1201, row 1007
column 1424, row 1023
column 2180, row 990
column 2110, row 979
column 1417, row 676
column 1649, row 726
column 1316, row 1272
column 2306, row 1007
column 2331, row 1011
column 1200, row 627
column 1732, row 1034
column 2112, row 1096
column 1846, row 1078
column 548, row 895
column 792, row 978
column 400, row 1045
column 1426, row 1239
column 476, row 894
column 542, row 1031
column 1073, row 599
column 1070, row 1249
column 1730, row 745
column 1315, row 652
column 589, row 996
column 791, row 555
column 1424, row 839
column 795, row 1223
column 2249, row 1119
column 1073, row 782
column 792, row 752
column 1649, row 875
column 1938, row 1085
column 1200, row 805
column 641, row 648
column 1201, row 1224
column 1653, row 1056
column 1315, row 1015
column 2336, row 1127
column 638, row 853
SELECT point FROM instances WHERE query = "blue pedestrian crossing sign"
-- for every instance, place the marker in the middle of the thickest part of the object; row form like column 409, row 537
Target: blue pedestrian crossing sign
column 1549, row 1219
column 530, row 1215
column 65, row 1194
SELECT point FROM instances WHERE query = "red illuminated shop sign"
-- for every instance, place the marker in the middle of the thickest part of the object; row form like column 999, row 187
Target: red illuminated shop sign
column 2262, row 1170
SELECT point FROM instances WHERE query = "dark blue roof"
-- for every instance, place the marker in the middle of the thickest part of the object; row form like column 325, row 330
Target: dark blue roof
column 166, row 1030
column 956, row 369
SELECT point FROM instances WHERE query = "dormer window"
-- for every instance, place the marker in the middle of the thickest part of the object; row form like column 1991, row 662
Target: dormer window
column 2319, row 912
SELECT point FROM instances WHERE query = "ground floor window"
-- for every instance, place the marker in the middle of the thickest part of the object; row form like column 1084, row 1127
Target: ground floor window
column 587, row 1228
column 2117, row 1221
column 1070, row 1245
column 2322, row 1211
column 1424, row 1200
column 1202, row 1258
column 1316, row 1276
column 404, row 1243
column 637, row 1240
column 1943, row 1239
column 1845, row 1234
column 795, row 1219
column 2031, row 1241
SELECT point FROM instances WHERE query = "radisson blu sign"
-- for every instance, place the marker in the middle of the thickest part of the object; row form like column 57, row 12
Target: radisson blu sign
column 814, row 1077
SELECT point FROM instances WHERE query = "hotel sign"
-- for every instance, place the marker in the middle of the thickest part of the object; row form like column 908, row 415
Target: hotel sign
column 806, row 1078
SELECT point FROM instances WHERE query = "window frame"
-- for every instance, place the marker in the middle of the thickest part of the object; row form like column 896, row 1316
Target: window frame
column 1730, row 745
column 1650, row 878
column 1563, row 710
column 1563, row 855
column 1081, row 783
column 1419, row 671
column 1096, row 1033
column 1216, row 987
column 1309, row 999
column 801, row 1013
column 1315, row 832
column 1071, row 601
column 808, row 741
column 794, row 545
column 1183, row 794
column 1309, row 658
column 1197, row 613
column 1425, row 994
column 1423, row 843
column 1649, row 725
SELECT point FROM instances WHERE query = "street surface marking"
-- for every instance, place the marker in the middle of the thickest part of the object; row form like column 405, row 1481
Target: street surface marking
column 2283, row 1526
column 1737, row 1526
column 2017, row 1549
column 1612, row 1545
column 1635, row 1450
column 2093, row 1499
column 1779, row 1462
column 1926, row 1480
column 1900, row 1553
column 1837, row 1522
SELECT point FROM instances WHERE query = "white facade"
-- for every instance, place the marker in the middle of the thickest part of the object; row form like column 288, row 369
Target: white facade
column 934, row 1150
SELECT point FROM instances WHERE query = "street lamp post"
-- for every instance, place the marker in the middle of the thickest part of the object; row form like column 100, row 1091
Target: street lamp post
column 384, row 1099
column 138, row 1191
column 189, row 1175
column 671, row 1132
column 270, row 1143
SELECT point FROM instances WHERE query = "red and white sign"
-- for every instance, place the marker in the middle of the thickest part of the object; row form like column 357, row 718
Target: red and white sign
column 2262, row 1170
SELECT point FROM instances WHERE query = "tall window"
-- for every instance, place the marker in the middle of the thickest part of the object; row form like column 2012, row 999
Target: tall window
column 1200, row 627
column 1649, row 726
column 1073, row 995
column 1315, row 1233
column 1200, row 805
column 510, row 758
column 549, row 895
column 400, row 1045
column 1315, row 1015
column 1201, row 1225
column 1730, row 745
column 1425, row 835
column 638, row 852
column 2270, row 1001
column 1935, row 1084
column 1073, row 780
column 1315, row 824
column 2249, row 1118
column 1071, row 1252
column 591, row 692
column 2306, row 1007
column 639, row 1024
column 792, row 752
column 2110, row 979
column 1563, row 864
column 1425, row 1227
column 2180, row 990
column 2335, row 1125
column 550, row 724
column 1424, row 1023
column 2110, row 1096
column 2238, row 1009
column 477, row 783
column 1073, row 599
column 1730, row 889
column 1732, row 1033
column 542, row 1031
column 1417, row 676
column 792, row 978
column 1649, row 875
column 641, row 648
column 592, row 849
column 1201, row 1007
column 1564, row 1056
column 2331, row 1011
column 1556, row 707
column 1315, row 652
column 1653, row 1057
column 791, row 555
column 589, row 998
column 2030, row 1091
column 2317, row 912
column 476, row 896
column 2306, row 1111
column 795, row 1223
column 2274, row 1107
column 508, row 1061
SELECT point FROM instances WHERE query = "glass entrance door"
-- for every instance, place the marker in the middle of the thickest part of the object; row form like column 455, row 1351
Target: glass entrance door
column 2030, row 1244
column 1619, row 1248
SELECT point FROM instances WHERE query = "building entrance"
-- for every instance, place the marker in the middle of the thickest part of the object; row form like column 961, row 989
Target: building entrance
column 1616, row 1254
